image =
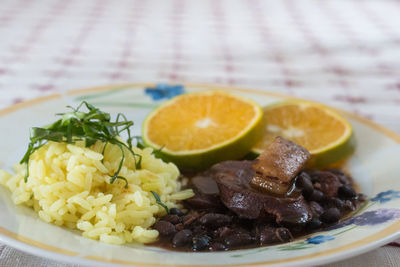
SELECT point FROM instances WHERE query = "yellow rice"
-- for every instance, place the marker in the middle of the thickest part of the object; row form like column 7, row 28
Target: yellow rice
column 69, row 185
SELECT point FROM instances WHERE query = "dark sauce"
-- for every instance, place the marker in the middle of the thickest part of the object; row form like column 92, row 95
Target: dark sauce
column 216, row 228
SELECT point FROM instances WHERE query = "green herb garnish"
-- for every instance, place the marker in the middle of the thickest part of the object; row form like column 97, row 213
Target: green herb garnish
column 157, row 152
column 139, row 141
column 159, row 202
column 91, row 126
column 140, row 144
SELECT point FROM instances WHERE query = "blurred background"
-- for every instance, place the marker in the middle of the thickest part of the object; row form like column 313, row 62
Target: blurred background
column 345, row 53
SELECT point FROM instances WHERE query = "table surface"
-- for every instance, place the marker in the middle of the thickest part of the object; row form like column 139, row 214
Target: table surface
column 345, row 53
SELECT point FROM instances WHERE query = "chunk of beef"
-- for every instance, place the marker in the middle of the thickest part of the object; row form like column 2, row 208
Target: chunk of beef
column 233, row 179
column 206, row 193
column 276, row 167
column 205, row 185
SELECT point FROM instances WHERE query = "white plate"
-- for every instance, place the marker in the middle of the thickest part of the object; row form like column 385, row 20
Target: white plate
column 375, row 167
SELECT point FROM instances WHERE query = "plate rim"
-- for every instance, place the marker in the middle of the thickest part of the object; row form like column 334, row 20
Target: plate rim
column 37, row 248
column 57, row 254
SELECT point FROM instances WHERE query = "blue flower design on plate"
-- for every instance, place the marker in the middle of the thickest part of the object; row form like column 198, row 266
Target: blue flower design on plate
column 371, row 218
column 319, row 239
column 164, row 91
column 375, row 217
column 386, row 196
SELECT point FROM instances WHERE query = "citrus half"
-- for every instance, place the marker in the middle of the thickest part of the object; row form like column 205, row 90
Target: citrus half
column 196, row 130
column 321, row 130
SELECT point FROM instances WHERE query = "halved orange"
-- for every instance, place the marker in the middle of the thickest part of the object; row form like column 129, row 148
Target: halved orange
column 321, row 130
column 196, row 130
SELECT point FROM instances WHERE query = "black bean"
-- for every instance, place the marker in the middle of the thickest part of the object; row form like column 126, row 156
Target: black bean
column 355, row 202
column 238, row 239
column 304, row 182
column 317, row 185
column 176, row 211
column 345, row 191
column 362, row 197
column 284, row 234
column 165, row 228
column 317, row 196
column 172, row 218
column 200, row 242
column 344, row 179
column 336, row 171
column 271, row 235
column 179, row 226
column 267, row 235
column 314, row 176
column 182, row 238
column 328, row 184
column 341, row 175
column 348, row 205
column 215, row 220
column 314, row 223
column 331, row 215
column 316, row 209
column 199, row 230
column 337, row 202
column 223, row 231
column 217, row 247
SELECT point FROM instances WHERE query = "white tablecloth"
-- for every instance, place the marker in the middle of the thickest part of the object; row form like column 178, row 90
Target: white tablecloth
column 345, row 53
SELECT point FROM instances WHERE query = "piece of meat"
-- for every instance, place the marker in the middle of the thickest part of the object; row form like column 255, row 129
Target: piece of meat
column 233, row 179
column 276, row 167
column 206, row 194
column 205, row 185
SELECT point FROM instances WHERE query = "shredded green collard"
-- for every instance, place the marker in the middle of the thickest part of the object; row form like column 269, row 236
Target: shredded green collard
column 91, row 126
column 159, row 202
column 140, row 144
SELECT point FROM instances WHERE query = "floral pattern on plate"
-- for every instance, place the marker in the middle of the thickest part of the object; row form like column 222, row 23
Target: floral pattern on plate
column 164, row 91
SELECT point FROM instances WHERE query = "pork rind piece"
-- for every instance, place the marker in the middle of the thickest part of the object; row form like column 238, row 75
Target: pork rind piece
column 276, row 167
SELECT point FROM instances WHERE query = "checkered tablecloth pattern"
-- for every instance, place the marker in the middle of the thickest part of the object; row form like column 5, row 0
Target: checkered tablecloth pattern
column 345, row 53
